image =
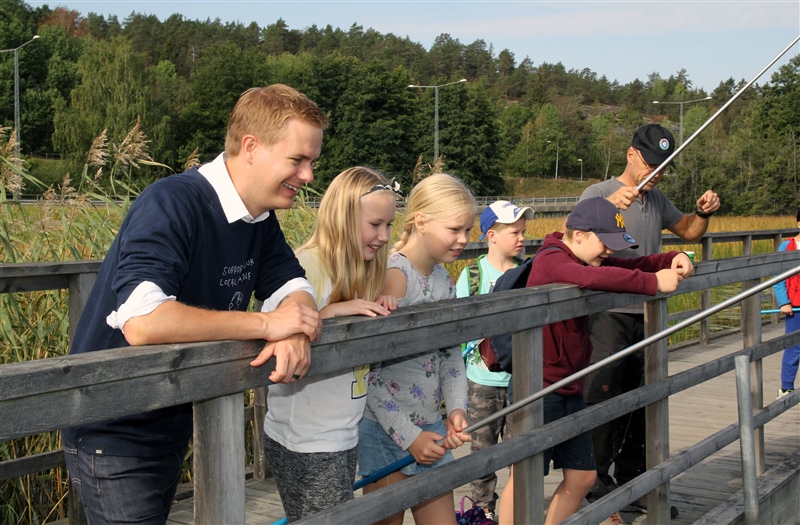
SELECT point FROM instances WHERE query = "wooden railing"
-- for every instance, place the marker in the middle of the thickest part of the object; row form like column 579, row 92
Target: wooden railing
column 65, row 391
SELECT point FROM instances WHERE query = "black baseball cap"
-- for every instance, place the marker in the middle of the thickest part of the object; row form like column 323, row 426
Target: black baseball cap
column 655, row 143
column 604, row 219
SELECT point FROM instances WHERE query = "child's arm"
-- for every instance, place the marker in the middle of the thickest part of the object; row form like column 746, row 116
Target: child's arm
column 396, row 283
column 781, row 292
column 354, row 307
column 391, row 417
column 615, row 275
column 453, row 381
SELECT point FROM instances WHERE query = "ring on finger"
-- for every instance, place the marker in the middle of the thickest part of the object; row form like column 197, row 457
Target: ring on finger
column 295, row 376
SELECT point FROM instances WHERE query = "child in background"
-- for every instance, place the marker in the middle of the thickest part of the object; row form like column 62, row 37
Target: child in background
column 311, row 428
column 405, row 395
column 787, row 293
column 503, row 227
column 582, row 255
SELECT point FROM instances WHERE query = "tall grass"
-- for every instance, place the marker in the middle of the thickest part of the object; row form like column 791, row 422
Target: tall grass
column 79, row 224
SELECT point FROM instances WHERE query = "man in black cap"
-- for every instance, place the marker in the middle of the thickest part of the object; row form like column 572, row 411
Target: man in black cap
column 622, row 442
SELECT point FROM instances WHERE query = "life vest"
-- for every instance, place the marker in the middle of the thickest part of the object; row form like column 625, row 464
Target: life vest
column 793, row 282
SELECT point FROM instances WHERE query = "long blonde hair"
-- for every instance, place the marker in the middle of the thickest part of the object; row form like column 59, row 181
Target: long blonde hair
column 439, row 197
column 337, row 237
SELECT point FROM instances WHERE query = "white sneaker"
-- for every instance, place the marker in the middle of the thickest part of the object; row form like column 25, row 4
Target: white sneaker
column 782, row 392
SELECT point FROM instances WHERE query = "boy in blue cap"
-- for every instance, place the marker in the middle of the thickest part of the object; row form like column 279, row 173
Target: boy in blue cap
column 582, row 255
column 503, row 226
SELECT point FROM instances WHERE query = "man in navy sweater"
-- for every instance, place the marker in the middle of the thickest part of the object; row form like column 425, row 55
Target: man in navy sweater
column 190, row 253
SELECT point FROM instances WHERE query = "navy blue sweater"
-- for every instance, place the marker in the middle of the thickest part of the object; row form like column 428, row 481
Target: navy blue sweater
column 176, row 236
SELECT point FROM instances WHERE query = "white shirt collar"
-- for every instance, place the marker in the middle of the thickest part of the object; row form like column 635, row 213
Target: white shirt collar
column 216, row 173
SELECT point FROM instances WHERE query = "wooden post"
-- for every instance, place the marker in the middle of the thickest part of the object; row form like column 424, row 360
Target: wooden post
column 527, row 356
column 80, row 285
column 657, row 414
column 260, row 467
column 705, row 295
column 219, row 460
column 775, row 318
column 751, row 334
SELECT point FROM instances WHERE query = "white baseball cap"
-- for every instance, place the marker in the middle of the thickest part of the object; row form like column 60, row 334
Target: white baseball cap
column 503, row 212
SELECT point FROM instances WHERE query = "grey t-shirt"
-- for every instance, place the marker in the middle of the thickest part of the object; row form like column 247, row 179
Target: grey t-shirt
column 644, row 220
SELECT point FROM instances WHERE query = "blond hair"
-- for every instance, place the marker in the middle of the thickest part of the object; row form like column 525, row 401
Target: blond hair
column 337, row 237
column 439, row 197
column 265, row 111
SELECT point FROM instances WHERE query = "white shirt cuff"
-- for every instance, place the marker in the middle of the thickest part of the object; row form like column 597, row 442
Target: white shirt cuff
column 146, row 297
column 296, row 284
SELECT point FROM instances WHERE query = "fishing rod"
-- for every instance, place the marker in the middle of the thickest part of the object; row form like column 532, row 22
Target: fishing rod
column 778, row 311
column 633, row 348
column 680, row 148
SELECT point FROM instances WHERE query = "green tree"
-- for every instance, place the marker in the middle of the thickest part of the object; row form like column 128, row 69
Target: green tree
column 113, row 93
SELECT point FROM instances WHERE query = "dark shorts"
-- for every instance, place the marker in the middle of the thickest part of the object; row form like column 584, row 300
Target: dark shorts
column 310, row 482
column 575, row 453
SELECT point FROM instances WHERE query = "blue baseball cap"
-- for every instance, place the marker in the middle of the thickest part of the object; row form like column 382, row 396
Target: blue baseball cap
column 503, row 212
column 599, row 216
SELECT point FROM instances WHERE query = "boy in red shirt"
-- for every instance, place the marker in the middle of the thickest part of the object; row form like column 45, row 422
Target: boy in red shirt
column 582, row 255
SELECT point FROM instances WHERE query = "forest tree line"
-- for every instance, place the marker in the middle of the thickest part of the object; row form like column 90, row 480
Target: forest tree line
column 179, row 79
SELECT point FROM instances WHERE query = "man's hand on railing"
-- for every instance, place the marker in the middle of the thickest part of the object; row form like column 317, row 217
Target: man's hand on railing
column 290, row 328
column 292, row 358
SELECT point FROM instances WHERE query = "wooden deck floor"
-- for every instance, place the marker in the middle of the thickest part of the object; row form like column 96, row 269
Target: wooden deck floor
column 694, row 415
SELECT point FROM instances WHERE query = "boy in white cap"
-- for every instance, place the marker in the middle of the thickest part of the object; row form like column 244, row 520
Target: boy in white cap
column 503, row 227
column 582, row 255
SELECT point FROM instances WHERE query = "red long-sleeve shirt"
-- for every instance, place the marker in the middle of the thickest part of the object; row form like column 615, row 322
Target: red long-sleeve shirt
column 567, row 348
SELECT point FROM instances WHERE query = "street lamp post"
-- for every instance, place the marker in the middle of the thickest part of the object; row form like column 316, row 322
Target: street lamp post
column 16, row 87
column 680, row 122
column 436, row 112
column 557, row 148
column 581, row 161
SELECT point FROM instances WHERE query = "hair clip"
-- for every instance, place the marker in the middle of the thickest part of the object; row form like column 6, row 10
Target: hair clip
column 393, row 185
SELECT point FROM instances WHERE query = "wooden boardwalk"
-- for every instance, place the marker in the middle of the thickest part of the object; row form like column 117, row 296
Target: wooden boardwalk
column 694, row 415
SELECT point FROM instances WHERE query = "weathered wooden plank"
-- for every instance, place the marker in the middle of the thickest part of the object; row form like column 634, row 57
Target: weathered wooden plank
column 366, row 339
column 29, row 277
column 14, row 468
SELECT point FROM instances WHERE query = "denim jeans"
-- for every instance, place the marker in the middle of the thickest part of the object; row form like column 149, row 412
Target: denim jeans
column 121, row 489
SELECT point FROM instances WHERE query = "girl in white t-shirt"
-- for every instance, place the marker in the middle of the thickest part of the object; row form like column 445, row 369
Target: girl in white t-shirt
column 311, row 428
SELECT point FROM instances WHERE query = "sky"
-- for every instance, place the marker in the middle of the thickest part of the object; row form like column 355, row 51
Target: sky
column 623, row 40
